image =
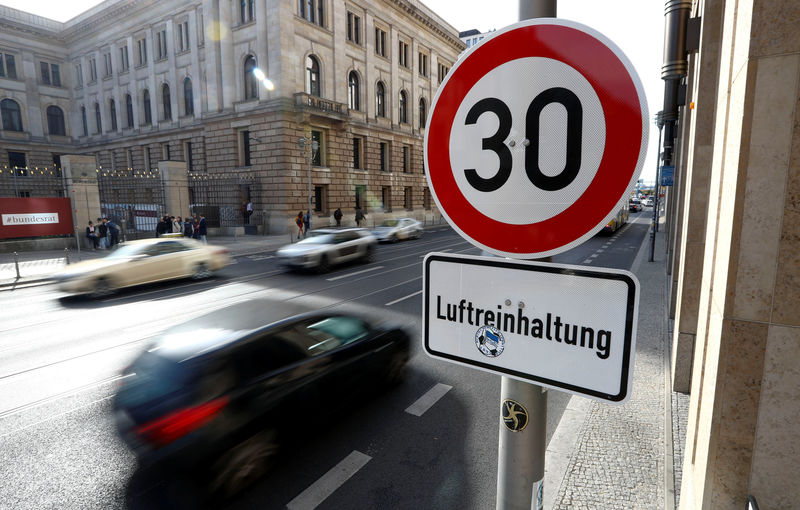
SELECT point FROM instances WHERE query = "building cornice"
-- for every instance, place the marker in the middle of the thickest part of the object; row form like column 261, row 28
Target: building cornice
column 449, row 34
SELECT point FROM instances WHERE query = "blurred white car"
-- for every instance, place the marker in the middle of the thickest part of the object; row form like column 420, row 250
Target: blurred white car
column 143, row 261
column 327, row 247
column 396, row 229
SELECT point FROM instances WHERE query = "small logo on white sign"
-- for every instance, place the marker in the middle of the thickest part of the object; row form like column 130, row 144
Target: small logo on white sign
column 489, row 340
column 30, row 218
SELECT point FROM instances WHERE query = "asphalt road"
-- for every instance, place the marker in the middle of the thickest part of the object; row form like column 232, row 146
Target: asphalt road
column 61, row 358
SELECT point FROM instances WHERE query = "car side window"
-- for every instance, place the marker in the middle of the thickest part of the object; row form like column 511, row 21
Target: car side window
column 349, row 236
column 320, row 335
column 265, row 354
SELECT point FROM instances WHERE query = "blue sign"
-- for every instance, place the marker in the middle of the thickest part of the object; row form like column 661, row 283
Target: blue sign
column 667, row 173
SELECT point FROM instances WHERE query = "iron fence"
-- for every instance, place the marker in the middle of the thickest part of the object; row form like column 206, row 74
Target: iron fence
column 222, row 197
column 133, row 199
column 32, row 182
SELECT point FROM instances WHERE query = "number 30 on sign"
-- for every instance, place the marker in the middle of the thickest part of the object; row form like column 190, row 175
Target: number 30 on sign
column 535, row 138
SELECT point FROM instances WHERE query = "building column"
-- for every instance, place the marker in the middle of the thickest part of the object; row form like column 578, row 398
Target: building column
column 229, row 61
column 80, row 174
column 176, row 187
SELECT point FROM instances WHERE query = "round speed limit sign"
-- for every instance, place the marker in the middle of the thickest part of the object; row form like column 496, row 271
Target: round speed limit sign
column 536, row 137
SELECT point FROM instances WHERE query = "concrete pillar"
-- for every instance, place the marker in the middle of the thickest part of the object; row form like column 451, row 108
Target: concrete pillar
column 230, row 63
column 176, row 187
column 80, row 173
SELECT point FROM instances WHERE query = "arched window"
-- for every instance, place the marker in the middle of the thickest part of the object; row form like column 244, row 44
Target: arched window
column 380, row 100
column 129, row 109
column 113, row 109
column 12, row 117
column 85, row 124
column 148, row 113
column 312, row 76
column 250, row 80
column 423, row 113
column 98, row 122
column 353, row 91
column 188, row 97
column 403, row 107
column 55, row 121
column 167, row 103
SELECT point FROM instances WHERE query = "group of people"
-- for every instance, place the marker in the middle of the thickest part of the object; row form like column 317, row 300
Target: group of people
column 303, row 221
column 194, row 227
column 104, row 235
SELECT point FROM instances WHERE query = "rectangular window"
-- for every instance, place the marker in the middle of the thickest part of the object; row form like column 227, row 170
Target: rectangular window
column 165, row 152
column 129, row 159
column 380, row 42
column 407, row 198
column 353, row 28
column 183, row 35
column 245, row 148
column 187, row 155
column 45, row 67
column 161, row 42
column 79, row 75
column 426, row 199
column 316, row 141
column 443, row 69
column 385, row 154
column 92, row 70
column 55, row 75
column 141, row 46
column 8, row 67
column 321, row 199
column 406, row 158
column 57, row 162
column 386, row 198
column 147, row 158
column 361, row 198
column 18, row 160
column 123, row 58
column 423, row 64
column 402, row 54
column 357, row 151
column 108, row 68
column 201, row 32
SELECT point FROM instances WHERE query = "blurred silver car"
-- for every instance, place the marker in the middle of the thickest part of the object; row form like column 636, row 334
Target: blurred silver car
column 140, row 262
column 396, row 229
column 327, row 247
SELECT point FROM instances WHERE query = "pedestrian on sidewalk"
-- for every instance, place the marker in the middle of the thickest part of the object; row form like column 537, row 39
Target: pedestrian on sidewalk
column 187, row 227
column 175, row 224
column 102, row 233
column 91, row 234
column 360, row 216
column 195, row 227
column 299, row 222
column 113, row 232
column 201, row 229
column 337, row 215
column 161, row 227
column 306, row 223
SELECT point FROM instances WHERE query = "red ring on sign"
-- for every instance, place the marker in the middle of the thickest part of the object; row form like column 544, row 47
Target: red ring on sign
column 620, row 101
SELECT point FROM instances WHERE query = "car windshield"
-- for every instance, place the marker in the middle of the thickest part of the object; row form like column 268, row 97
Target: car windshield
column 389, row 223
column 318, row 238
column 126, row 251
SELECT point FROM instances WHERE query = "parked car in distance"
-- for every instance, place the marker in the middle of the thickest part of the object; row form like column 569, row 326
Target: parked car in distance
column 326, row 247
column 143, row 261
column 635, row 205
column 214, row 396
column 649, row 202
column 395, row 229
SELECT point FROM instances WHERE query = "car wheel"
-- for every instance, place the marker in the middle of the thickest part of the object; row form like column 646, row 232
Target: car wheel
column 393, row 239
column 418, row 234
column 369, row 256
column 102, row 288
column 396, row 369
column 324, row 264
column 201, row 272
column 244, row 464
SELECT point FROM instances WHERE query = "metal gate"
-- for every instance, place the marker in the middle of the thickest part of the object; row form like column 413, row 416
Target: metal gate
column 26, row 182
column 133, row 199
column 222, row 198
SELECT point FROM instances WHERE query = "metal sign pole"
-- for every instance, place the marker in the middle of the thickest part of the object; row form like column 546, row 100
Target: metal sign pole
column 523, row 406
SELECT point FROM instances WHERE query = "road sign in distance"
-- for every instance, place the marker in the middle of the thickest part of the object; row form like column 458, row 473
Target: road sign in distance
column 565, row 327
column 535, row 138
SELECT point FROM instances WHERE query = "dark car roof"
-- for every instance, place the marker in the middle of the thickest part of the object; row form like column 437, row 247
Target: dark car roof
column 217, row 329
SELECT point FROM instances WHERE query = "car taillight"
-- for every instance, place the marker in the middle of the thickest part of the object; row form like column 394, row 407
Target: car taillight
column 175, row 425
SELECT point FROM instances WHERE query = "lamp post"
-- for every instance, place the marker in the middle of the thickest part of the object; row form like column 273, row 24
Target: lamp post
column 659, row 121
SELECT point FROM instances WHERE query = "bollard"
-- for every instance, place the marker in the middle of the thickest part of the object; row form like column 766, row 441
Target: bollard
column 66, row 255
column 16, row 264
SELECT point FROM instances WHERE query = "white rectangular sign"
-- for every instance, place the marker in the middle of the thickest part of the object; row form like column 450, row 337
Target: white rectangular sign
column 565, row 327
column 29, row 218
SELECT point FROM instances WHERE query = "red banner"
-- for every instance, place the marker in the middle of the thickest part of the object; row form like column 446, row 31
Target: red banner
column 33, row 217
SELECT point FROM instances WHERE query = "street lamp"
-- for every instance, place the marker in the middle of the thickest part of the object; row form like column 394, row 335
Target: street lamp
column 659, row 122
column 313, row 146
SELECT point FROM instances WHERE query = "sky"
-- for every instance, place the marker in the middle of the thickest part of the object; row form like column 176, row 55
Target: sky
column 636, row 26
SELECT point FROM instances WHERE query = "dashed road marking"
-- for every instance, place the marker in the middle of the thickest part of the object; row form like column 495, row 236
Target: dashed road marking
column 427, row 400
column 390, row 303
column 260, row 257
column 354, row 274
column 319, row 491
column 587, row 261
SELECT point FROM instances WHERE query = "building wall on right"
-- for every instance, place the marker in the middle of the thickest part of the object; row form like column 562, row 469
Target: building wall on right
column 743, row 305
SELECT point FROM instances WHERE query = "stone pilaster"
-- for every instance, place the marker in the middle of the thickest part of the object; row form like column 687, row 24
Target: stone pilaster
column 176, row 187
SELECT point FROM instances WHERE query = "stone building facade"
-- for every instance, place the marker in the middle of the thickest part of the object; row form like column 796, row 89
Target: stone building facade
column 133, row 83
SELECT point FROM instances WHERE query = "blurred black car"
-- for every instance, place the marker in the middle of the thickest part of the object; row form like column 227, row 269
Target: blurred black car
column 218, row 391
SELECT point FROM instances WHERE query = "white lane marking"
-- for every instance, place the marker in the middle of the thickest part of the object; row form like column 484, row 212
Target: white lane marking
column 390, row 303
column 587, row 261
column 593, row 255
column 438, row 251
column 260, row 257
column 601, row 250
column 318, row 491
column 354, row 274
column 427, row 400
